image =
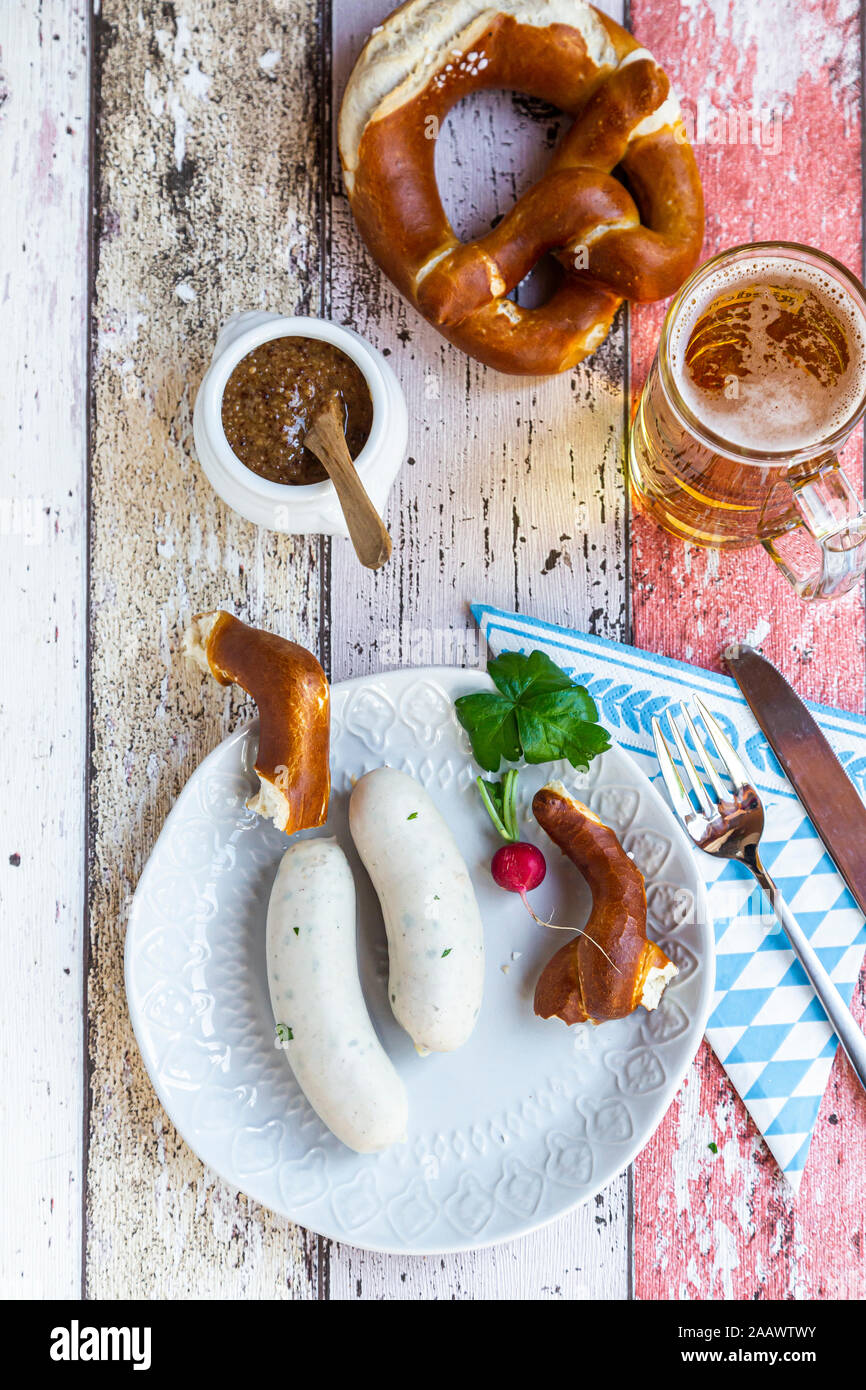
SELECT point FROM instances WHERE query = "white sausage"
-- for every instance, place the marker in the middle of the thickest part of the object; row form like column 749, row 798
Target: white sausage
column 332, row 1046
column 435, row 936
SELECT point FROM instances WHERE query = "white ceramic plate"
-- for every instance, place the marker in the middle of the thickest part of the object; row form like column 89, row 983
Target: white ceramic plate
column 527, row 1120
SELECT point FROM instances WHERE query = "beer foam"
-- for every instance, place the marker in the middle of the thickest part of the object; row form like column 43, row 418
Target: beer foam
column 775, row 405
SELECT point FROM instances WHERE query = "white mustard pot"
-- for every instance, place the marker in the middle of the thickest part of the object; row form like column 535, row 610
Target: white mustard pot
column 310, row 507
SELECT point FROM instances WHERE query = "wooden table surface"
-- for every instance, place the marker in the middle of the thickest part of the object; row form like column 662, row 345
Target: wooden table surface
column 163, row 165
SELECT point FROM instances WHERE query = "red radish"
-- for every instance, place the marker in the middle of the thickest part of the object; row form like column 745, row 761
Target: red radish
column 518, row 868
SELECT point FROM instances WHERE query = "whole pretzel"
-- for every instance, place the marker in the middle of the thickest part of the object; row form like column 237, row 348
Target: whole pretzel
column 612, row 243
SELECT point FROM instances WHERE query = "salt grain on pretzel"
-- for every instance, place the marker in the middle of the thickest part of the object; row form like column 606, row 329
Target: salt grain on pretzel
column 612, row 242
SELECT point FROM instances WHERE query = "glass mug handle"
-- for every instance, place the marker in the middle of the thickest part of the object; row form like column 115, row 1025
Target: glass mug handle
column 831, row 514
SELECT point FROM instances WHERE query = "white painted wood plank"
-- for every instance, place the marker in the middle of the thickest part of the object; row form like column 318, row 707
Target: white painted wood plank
column 513, row 495
column 208, row 203
column 582, row 1256
column 43, row 357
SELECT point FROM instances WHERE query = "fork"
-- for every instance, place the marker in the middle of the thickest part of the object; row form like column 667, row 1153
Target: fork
column 730, row 825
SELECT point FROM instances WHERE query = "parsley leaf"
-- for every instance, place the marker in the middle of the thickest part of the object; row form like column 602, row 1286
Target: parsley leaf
column 561, row 725
column 491, row 723
column 537, row 713
column 517, row 676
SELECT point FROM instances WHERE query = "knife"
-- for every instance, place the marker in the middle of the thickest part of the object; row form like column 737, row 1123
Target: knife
column 809, row 763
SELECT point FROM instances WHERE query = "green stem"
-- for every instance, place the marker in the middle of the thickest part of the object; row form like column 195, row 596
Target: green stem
column 509, row 803
column 491, row 809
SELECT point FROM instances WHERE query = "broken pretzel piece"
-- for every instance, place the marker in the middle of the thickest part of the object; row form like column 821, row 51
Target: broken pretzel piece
column 611, row 967
column 293, row 698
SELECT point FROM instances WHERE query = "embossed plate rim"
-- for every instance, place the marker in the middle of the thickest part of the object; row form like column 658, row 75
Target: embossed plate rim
column 451, row 681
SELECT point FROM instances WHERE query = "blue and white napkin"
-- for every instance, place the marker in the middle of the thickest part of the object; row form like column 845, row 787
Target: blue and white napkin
column 766, row 1026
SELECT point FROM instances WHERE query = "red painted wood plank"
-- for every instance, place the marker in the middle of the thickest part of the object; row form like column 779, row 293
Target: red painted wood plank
column 726, row 1225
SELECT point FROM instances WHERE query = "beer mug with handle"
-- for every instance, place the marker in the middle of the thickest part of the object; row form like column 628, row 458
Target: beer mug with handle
column 759, row 379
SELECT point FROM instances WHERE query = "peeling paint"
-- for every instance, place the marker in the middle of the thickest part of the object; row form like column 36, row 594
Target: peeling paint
column 178, row 256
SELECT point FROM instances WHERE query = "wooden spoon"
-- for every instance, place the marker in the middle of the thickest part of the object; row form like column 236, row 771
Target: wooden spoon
column 325, row 439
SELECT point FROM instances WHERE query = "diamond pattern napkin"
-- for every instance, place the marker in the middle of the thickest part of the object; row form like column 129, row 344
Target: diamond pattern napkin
column 766, row 1026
